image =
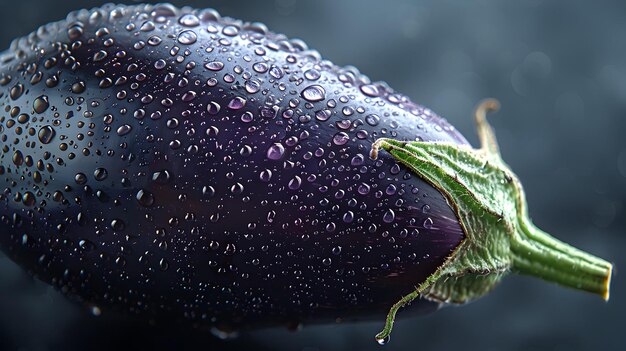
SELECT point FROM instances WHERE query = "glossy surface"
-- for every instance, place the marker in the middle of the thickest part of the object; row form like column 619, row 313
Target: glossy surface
column 178, row 164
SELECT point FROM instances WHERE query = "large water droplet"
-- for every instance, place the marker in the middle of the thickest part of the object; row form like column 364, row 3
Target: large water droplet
column 341, row 138
column 237, row 103
column 313, row 93
column 370, row 90
column 312, row 74
column 189, row 20
column 187, row 37
column 46, row 134
column 41, row 104
column 214, row 66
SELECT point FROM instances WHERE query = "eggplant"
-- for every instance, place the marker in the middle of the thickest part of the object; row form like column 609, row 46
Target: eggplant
column 179, row 165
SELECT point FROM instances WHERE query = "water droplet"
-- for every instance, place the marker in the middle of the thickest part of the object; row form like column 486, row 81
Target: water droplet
column 208, row 191
column 389, row 216
column 187, row 37
column 295, row 183
column 164, row 264
column 78, row 87
column 213, row 108
column 118, row 225
column 100, row 174
column 161, row 177
column 323, row 115
column 41, row 104
column 266, row 175
column 189, row 20
column 252, row 86
column 236, row 188
column 237, row 103
column 372, row 120
column 341, row 138
column 230, row 31
column 313, row 93
column 28, row 199
column 214, row 66
column 370, row 90
column 147, row 26
column 260, row 67
column 363, row 189
column 247, row 117
column 100, row 55
column 276, row 151
column 312, row 74
column 46, row 134
column 124, row 129
column 383, row 341
column 80, row 178
column 428, row 223
column 357, row 160
column 145, row 198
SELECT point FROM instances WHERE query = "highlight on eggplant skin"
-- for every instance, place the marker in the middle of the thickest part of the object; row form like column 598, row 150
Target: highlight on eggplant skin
column 182, row 166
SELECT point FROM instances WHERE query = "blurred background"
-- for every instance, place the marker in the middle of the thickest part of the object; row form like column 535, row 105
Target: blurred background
column 559, row 70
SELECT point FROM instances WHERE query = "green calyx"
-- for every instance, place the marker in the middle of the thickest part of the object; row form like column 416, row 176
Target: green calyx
column 491, row 207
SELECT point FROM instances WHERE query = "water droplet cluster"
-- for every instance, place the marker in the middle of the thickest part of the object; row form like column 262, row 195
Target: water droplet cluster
column 174, row 162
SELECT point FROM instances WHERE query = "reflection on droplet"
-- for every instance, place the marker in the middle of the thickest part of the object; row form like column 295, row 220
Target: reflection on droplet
column 187, row 37
column 46, row 134
column 313, row 93
column 124, row 129
column 276, row 151
column 41, row 104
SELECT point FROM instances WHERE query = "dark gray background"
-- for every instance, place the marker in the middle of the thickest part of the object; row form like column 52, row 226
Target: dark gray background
column 559, row 69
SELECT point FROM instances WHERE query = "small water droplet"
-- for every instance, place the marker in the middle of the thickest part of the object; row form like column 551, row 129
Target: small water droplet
column 295, row 183
column 276, row 151
column 428, row 223
column 145, row 198
column 389, row 216
column 383, row 341
column 266, row 175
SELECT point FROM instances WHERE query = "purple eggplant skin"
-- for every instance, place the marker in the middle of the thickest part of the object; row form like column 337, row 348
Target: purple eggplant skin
column 178, row 165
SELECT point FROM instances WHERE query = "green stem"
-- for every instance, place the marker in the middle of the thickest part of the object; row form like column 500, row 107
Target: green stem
column 538, row 254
